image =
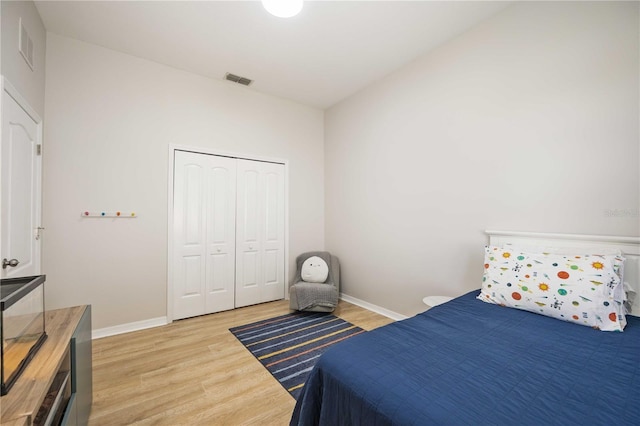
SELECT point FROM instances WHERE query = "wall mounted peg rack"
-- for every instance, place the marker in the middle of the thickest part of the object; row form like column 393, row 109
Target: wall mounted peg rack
column 112, row 215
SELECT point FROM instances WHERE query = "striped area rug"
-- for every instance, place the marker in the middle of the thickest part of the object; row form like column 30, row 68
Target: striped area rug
column 289, row 345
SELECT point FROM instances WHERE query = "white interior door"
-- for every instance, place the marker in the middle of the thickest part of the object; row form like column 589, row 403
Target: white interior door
column 259, row 232
column 204, row 234
column 21, row 189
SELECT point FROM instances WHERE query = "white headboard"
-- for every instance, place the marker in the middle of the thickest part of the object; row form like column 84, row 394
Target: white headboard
column 629, row 246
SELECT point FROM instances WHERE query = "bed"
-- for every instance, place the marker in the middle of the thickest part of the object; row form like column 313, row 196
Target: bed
column 472, row 363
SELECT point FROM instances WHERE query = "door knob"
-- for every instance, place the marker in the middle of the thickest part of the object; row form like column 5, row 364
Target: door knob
column 13, row 263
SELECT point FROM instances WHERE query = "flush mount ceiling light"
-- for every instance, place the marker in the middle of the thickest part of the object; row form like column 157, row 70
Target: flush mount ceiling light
column 283, row 8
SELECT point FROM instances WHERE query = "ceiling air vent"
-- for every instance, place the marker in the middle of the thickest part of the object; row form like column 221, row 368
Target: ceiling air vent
column 237, row 79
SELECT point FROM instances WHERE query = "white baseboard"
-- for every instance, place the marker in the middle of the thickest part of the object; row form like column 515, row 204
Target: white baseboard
column 126, row 328
column 374, row 308
column 160, row 321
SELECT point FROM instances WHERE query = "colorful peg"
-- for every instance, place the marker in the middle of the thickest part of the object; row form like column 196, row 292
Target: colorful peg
column 117, row 213
column 102, row 214
column 132, row 214
column 86, row 213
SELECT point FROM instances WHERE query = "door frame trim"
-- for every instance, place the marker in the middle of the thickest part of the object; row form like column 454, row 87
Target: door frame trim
column 243, row 156
column 13, row 92
column 22, row 102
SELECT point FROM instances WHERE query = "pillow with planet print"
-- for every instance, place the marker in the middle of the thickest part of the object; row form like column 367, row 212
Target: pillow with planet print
column 614, row 254
column 578, row 288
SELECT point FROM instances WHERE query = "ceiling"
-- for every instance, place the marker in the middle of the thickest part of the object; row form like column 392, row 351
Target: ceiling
column 331, row 50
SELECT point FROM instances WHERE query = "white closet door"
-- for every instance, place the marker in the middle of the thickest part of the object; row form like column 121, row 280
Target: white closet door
column 21, row 193
column 260, row 233
column 204, row 234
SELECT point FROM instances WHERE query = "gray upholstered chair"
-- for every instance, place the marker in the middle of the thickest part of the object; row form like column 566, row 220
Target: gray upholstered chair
column 316, row 297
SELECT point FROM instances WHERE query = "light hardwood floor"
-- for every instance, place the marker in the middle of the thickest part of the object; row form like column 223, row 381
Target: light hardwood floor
column 195, row 372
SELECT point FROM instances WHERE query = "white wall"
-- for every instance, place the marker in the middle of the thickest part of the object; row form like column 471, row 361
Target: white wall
column 526, row 122
column 30, row 83
column 110, row 119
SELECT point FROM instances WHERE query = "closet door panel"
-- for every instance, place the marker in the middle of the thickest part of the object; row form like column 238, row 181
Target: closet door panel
column 248, row 258
column 249, row 269
column 221, row 218
column 204, row 234
column 273, row 237
column 218, row 277
column 189, row 239
column 260, row 233
column 271, row 267
column 192, row 277
column 250, row 202
column 193, row 194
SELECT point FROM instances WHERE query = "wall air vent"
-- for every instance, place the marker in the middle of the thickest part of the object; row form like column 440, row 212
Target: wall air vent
column 25, row 45
column 237, row 79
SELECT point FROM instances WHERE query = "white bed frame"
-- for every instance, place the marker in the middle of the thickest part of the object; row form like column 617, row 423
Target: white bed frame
column 628, row 246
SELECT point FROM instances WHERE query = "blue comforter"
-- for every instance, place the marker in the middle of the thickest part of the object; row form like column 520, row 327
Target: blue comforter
column 471, row 363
